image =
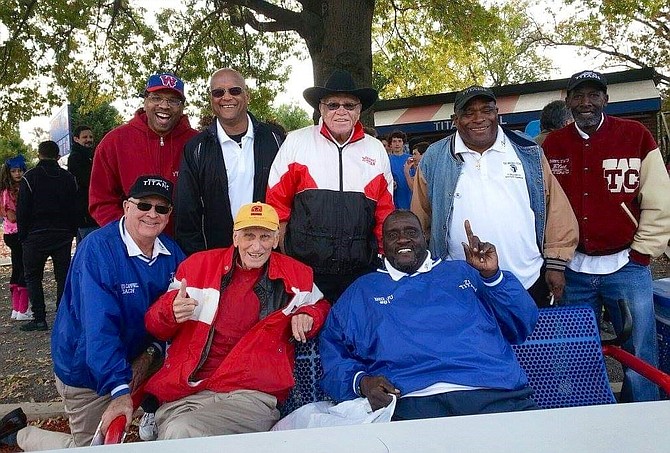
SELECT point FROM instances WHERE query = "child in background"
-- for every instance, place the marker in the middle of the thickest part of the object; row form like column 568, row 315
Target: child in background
column 10, row 176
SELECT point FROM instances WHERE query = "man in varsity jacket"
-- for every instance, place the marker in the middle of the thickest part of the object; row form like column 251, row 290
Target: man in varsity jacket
column 612, row 172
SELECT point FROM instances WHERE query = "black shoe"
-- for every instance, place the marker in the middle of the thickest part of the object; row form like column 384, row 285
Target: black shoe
column 10, row 425
column 34, row 325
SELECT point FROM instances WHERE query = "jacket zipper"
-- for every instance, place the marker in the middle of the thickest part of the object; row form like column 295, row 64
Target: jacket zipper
column 202, row 223
column 339, row 149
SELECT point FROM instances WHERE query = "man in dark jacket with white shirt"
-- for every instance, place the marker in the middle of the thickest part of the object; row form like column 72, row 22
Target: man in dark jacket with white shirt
column 223, row 168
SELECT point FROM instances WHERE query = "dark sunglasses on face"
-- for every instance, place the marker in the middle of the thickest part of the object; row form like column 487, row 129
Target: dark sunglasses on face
column 146, row 207
column 220, row 92
column 336, row 105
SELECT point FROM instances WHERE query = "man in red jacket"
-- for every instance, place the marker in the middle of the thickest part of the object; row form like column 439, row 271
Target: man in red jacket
column 232, row 317
column 151, row 143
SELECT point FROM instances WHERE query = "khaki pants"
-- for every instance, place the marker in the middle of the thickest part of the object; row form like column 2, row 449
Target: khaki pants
column 83, row 408
column 212, row 414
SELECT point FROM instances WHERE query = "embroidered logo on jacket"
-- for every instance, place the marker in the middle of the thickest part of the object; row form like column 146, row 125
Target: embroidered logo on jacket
column 369, row 160
column 560, row 166
column 467, row 284
column 384, row 300
column 129, row 288
column 622, row 175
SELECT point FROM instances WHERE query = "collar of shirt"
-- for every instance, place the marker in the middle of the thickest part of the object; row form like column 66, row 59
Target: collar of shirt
column 223, row 137
column 395, row 274
column 583, row 134
column 133, row 249
column 499, row 145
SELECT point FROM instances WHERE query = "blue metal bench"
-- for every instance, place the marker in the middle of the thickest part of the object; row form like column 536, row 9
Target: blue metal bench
column 562, row 358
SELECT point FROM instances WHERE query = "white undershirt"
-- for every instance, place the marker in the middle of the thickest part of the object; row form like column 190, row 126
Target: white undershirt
column 492, row 194
column 598, row 265
column 239, row 162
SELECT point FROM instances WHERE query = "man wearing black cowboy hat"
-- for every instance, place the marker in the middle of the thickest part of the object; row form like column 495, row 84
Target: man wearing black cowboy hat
column 332, row 187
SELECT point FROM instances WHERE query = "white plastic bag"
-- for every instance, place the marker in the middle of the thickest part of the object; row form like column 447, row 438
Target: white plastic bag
column 325, row 413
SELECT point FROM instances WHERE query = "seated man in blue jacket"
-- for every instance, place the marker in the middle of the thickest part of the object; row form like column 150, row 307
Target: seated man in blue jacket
column 99, row 345
column 434, row 333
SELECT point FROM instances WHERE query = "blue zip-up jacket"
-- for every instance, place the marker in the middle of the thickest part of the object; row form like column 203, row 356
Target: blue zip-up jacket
column 99, row 327
column 556, row 229
column 445, row 325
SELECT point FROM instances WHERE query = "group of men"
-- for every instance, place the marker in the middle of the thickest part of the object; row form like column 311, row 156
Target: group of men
column 233, row 312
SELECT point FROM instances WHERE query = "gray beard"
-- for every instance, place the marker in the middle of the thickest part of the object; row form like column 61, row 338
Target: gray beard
column 586, row 123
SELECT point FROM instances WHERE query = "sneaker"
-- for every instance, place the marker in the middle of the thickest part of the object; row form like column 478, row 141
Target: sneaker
column 148, row 429
column 24, row 316
column 34, row 325
column 14, row 313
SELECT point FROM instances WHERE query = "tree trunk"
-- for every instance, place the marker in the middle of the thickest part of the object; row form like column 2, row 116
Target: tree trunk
column 342, row 41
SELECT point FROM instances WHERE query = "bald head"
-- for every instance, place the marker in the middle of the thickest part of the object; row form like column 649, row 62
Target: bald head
column 229, row 74
column 229, row 99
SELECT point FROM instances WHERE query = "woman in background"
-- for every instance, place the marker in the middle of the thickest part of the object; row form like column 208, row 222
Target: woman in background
column 10, row 176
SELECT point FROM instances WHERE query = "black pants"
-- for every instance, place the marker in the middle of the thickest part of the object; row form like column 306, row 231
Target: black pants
column 332, row 286
column 466, row 402
column 17, row 277
column 35, row 254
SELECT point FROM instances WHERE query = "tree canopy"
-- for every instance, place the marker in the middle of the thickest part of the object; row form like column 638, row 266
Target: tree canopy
column 495, row 46
column 631, row 33
column 101, row 50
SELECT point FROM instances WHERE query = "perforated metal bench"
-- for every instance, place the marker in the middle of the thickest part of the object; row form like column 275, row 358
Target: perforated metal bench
column 562, row 358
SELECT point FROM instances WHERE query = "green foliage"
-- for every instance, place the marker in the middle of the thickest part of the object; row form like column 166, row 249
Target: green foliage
column 290, row 117
column 462, row 45
column 11, row 145
column 101, row 118
column 631, row 33
column 60, row 50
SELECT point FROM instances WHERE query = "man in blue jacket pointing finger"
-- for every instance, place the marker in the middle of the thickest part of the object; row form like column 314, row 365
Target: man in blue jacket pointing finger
column 435, row 333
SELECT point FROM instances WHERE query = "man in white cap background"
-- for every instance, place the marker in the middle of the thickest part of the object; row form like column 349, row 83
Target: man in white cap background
column 233, row 317
column 332, row 187
column 99, row 345
column 613, row 174
column 152, row 142
column 499, row 180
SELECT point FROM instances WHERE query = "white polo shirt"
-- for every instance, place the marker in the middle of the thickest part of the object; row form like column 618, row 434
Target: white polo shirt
column 491, row 193
column 239, row 160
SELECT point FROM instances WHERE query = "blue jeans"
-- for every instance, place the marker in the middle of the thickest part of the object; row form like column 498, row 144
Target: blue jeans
column 633, row 284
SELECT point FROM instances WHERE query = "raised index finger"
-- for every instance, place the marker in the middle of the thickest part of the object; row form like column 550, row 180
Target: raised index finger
column 468, row 231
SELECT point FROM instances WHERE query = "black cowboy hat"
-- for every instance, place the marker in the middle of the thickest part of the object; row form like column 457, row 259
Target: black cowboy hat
column 340, row 82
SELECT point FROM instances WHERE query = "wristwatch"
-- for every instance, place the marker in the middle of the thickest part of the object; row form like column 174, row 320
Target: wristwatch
column 153, row 352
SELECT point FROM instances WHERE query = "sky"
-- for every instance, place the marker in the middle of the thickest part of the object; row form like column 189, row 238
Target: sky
column 564, row 59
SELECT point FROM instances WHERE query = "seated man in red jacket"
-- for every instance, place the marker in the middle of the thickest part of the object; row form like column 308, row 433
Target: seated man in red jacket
column 231, row 316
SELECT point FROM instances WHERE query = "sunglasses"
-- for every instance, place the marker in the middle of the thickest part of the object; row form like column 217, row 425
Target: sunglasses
column 336, row 105
column 146, row 207
column 220, row 92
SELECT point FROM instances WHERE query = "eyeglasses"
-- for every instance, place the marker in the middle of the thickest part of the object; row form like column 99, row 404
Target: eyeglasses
column 158, row 100
column 221, row 92
column 146, row 207
column 336, row 105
